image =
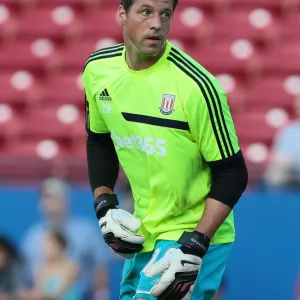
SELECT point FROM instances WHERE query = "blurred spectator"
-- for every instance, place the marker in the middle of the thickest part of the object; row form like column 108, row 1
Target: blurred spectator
column 284, row 166
column 85, row 246
column 57, row 276
column 9, row 270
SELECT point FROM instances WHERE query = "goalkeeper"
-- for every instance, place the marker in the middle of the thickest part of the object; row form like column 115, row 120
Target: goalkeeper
column 162, row 116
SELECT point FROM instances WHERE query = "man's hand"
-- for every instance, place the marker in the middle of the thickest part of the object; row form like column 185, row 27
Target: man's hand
column 118, row 227
column 179, row 268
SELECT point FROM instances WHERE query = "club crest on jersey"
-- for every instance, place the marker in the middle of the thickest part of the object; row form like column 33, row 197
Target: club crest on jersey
column 167, row 104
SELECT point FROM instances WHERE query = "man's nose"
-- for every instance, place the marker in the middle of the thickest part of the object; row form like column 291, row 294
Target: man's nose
column 156, row 23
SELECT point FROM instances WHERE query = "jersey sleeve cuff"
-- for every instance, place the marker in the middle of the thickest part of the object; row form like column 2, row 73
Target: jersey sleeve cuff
column 225, row 161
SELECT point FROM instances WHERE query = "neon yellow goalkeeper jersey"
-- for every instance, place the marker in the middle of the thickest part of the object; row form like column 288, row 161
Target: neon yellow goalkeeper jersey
column 168, row 123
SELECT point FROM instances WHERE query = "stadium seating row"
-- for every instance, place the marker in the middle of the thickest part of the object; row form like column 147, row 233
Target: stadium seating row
column 192, row 24
column 22, row 90
column 66, row 123
column 49, row 140
column 33, row 159
column 215, row 5
column 238, row 57
column 44, row 45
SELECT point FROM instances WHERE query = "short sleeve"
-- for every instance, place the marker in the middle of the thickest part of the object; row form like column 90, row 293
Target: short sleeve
column 94, row 120
column 210, row 121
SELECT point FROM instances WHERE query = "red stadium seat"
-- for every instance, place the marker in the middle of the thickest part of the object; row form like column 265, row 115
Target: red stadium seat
column 79, row 128
column 102, row 24
column 14, row 4
column 255, row 25
column 79, row 148
column 203, row 4
column 253, row 128
column 10, row 125
column 76, row 4
column 21, row 5
column 73, row 162
column 112, row 4
column 282, row 60
column 80, row 53
column 235, row 90
column 269, row 93
column 8, row 24
column 190, row 25
column 65, row 89
column 38, row 56
column 290, row 28
column 32, row 159
column 59, row 24
column 237, row 58
column 237, row 99
column 19, row 89
column 45, row 123
column 30, row 148
column 256, row 156
column 275, row 5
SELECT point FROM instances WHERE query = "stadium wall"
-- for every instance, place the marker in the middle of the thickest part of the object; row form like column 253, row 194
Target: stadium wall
column 265, row 260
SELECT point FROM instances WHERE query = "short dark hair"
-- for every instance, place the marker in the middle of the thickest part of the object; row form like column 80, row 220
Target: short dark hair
column 9, row 248
column 128, row 3
column 60, row 239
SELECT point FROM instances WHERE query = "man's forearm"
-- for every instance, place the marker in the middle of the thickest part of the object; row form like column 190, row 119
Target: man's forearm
column 103, row 164
column 229, row 181
column 213, row 217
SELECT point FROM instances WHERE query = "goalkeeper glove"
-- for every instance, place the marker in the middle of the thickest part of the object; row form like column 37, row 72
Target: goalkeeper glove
column 118, row 226
column 179, row 267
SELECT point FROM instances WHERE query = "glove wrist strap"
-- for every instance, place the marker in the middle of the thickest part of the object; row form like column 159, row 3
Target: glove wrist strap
column 105, row 202
column 195, row 243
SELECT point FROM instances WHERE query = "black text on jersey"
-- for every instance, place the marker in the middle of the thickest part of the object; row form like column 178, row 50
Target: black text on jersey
column 104, row 96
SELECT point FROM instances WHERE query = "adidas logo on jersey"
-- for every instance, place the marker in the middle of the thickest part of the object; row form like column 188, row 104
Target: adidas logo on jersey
column 104, row 96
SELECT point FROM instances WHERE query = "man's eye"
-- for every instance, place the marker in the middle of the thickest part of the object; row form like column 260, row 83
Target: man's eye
column 146, row 12
column 166, row 15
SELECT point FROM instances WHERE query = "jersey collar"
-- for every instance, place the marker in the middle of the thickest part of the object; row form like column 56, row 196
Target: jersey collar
column 152, row 68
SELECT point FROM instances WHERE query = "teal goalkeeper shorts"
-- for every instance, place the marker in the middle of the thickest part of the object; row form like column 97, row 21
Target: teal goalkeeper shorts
column 135, row 284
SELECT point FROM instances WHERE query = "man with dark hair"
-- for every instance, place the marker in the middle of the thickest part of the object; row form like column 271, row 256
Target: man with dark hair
column 165, row 119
